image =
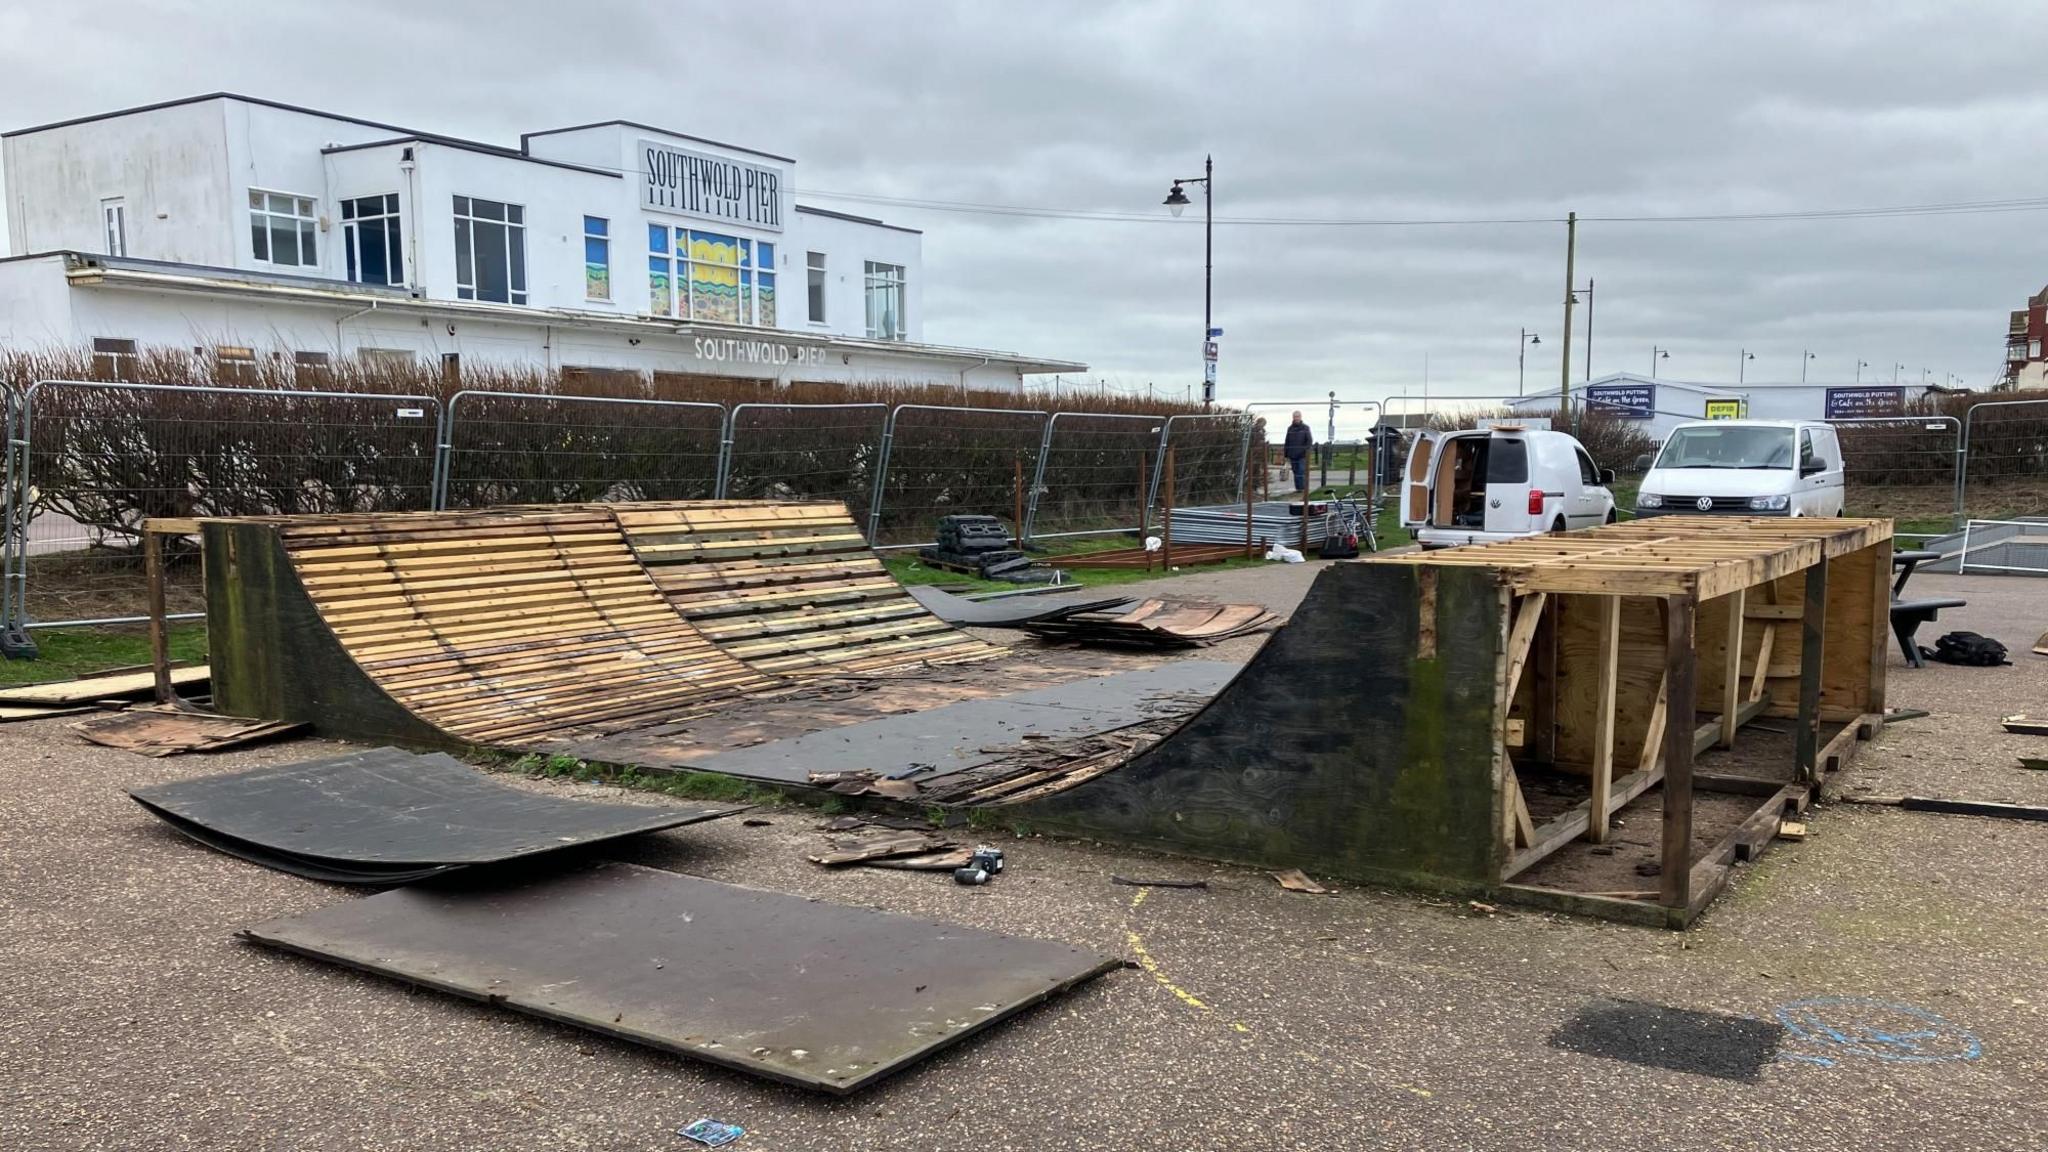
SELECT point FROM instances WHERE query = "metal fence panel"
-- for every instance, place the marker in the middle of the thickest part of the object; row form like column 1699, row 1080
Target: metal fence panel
column 2004, row 472
column 1094, row 472
column 1209, row 457
column 1900, row 466
column 98, row 458
column 540, row 448
column 11, row 510
column 937, row 460
column 803, row 452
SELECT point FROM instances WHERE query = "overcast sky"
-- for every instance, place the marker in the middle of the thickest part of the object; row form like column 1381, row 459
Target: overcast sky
column 1349, row 111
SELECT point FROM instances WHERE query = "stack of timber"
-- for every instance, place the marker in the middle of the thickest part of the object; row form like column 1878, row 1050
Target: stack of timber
column 513, row 629
column 1154, row 624
column 788, row 589
column 1149, row 558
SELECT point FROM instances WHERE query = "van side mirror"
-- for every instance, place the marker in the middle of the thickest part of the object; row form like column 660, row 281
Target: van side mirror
column 1813, row 467
column 1606, row 476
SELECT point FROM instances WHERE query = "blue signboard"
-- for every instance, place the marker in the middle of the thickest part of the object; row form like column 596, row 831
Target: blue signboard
column 1850, row 403
column 1628, row 401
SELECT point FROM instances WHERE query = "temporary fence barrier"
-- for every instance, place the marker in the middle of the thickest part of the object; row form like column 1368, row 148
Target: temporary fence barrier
column 13, row 639
column 967, row 464
column 1908, row 458
column 1094, row 473
column 95, row 459
column 2004, row 467
column 499, row 448
column 1209, row 451
column 2026, row 540
column 803, row 451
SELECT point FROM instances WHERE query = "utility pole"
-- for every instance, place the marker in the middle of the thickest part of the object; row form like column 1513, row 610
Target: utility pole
column 1564, row 359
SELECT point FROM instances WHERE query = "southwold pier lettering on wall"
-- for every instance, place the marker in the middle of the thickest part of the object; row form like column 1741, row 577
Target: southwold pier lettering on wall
column 755, row 351
column 693, row 184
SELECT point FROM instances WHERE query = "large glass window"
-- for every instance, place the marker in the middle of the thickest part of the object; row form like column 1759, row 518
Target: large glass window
column 114, row 216
column 698, row 275
column 490, row 251
column 814, row 272
column 597, row 258
column 282, row 228
column 1741, row 446
column 369, row 230
column 885, row 302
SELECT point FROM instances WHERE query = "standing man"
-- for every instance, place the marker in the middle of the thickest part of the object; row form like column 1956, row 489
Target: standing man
column 1299, row 441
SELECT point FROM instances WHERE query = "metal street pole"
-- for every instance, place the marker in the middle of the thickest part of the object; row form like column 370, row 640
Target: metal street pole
column 1742, row 358
column 1522, row 359
column 1208, row 272
column 1589, row 329
column 1564, row 359
column 1804, row 356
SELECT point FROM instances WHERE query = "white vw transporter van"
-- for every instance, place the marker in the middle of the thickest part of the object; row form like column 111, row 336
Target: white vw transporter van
column 1745, row 468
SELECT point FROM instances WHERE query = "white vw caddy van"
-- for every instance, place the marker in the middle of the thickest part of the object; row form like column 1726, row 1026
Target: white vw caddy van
column 1499, row 483
column 1745, row 468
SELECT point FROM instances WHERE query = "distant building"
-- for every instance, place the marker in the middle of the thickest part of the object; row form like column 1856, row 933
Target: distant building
column 2025, row 365
column 1662, row 405
column 252, row 227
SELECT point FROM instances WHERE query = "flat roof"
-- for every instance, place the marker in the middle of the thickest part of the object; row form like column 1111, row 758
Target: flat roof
column 470, row 146
column 810, row 210
column 525, row 136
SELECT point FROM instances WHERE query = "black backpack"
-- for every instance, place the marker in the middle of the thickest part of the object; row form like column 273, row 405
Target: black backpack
column 1967, row 648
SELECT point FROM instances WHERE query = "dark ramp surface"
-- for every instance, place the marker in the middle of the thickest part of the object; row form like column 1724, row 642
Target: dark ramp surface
column 959, row 736
column 1011, row 612
column 1727, row 1047
column 386, row 816
column 814, row 994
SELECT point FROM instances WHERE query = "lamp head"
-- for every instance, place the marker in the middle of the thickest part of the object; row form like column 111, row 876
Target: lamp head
column 1176, row 199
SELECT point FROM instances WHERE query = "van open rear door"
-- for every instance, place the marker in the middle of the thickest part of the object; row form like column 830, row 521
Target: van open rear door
column 1415, row 494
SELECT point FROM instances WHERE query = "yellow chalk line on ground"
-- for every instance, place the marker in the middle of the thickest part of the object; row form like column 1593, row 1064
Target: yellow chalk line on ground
column 1151, row 966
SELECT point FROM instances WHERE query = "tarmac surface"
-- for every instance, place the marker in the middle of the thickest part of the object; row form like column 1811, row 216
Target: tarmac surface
column 1907, row 952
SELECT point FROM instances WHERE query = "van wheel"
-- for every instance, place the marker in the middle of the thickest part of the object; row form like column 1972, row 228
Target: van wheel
column 1559, row 526
column 1612, row 516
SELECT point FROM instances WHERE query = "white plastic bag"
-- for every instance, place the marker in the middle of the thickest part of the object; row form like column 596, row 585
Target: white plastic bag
column 1284, row 554
column 1154, row 544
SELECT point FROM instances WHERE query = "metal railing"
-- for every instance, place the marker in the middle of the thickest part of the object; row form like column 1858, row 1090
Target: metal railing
column 498, row 448
column 1102, row 462
column 803, row 451
column 969, row 470
column 1991, row 455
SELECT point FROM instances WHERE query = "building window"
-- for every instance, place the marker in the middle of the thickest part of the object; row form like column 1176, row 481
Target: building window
column 597, row 258
column 490, row 251
column 814, row 271
column 385, row 359
column 885, row 302
column 369, row 230
column 114, row 216
column 694, row 275
column 281, row 229
column 311, row 368
column 114, row 359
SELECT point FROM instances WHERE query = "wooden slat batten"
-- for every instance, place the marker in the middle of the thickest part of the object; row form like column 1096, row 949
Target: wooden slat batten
column 1679, row 666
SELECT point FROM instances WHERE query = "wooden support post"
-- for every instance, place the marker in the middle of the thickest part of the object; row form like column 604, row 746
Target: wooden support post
column 1017, row 491
column 1679, row 663
column 1653, row 736
column 1250, row 462
column 1520, row 638
column 1731, row 670
column 1519, row 829
column 1880, row 624
column 1304, row 525
column 1166, row 524
column 1542, row 737
column 159, row 628
column 1144, row 502
column 1603, row 730
column 1812, row 633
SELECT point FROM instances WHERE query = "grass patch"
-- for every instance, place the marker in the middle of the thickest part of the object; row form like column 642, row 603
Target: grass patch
column 681, row 785
column 68, row 653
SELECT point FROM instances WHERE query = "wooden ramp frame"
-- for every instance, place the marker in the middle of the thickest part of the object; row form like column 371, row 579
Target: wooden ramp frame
column 1587, row 653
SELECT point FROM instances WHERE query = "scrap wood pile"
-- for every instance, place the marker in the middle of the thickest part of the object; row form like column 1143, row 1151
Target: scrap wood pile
column 1155, row 624
column 104, row 690
column 878, row 842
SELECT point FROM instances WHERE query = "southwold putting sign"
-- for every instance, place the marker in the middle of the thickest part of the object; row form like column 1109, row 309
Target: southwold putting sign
column 693, row 184
column 1627, row 401
column 1849, row 403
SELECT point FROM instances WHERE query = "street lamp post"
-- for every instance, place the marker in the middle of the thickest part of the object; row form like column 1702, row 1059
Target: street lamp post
column 1802, row 366
column 1176, row 202
column 1522, row 359
column 1657, row 354
column 1860, row 366
column 1742, row 359
column 1589, row 329
column 1896, row 369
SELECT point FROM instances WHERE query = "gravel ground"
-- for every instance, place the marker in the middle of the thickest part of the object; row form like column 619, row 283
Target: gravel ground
column 132, row 1018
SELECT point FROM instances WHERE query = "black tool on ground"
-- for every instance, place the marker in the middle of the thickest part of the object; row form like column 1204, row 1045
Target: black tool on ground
column 967, row 535
column 1967, row 648
column 980, row 546
column 981, row 867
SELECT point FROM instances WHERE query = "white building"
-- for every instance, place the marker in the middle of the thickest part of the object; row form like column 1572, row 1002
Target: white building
column 253, row 228
column 1662, row 405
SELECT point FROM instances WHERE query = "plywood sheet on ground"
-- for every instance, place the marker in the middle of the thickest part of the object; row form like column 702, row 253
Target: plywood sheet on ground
column 809, row 993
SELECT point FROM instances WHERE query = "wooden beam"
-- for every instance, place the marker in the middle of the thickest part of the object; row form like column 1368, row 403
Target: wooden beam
column 1519, row 640
column 159, row 629
column 1763, row 663
column 1880, row 624
column 1679, row 662
column 1731, row 670
column 1603, row 725
column 1522, row 828
column 1573, row 823
column 1653, row 736
column 1166, row 518
column 1812, row 641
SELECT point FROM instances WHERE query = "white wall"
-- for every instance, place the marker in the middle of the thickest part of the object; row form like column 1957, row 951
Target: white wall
column 35, row 311
column 169, row 164
column 847, row 247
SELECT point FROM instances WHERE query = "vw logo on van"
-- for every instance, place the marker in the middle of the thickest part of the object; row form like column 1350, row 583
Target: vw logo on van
column 1704, row 503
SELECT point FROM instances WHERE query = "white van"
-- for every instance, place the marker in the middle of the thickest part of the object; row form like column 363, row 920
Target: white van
column 1501, row 483
column 1745, row 468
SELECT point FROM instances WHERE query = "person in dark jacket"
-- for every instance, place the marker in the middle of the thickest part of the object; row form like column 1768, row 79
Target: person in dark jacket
column 1299, row 441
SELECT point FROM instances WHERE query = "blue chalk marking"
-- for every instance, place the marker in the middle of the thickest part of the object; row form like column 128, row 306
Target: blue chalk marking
column 1881, row 1030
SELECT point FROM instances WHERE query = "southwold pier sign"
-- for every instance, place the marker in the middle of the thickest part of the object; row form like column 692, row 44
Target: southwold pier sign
column 755, row 351
column 709, row 187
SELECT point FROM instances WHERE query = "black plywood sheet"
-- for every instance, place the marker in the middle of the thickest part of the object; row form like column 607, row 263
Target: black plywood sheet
column 819, row 995
column 1725, row 1047
column 955, row 737
column 384, row 816
column 1013, row 612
